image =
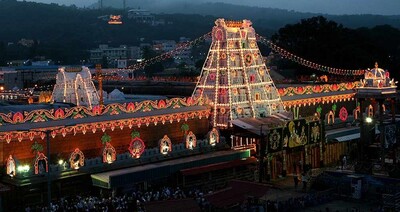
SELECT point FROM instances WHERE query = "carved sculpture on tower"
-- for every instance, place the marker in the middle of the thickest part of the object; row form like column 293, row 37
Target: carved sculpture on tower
column 234, row 80
column 74, row 85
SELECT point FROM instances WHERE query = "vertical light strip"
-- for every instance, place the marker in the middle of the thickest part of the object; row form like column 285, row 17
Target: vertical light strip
column 216, row 85
column 250, row 99
column 228, row 69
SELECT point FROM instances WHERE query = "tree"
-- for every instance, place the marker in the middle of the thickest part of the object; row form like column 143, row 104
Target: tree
column 105, row 138
column 3, row 52
column 150, row 69
column 36, row 147
column 135, row 134
column 328, row 43
column 185, row 129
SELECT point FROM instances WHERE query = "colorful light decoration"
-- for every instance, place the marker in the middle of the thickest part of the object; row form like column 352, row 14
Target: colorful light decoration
column 343, row 114
column 10, row 170
column 318, row 100
column 77, row 159
column 136, row 147
column 84, row 111
column 115, row 20
column 179, row 49
column 165, row 145
column 109, row 154
column 213, row 137
column 191, row 141
column 312, row 89
column 330, row 117
column 39, row 169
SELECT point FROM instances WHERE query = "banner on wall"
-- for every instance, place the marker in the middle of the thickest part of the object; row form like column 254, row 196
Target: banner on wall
column 275, row 140
column 295, row 133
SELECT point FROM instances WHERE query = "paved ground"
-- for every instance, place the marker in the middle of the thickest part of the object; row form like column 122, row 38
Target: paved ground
column 343, row 206
column 287, row 190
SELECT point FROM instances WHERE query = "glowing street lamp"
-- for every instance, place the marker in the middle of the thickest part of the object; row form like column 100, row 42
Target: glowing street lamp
column 368, row 120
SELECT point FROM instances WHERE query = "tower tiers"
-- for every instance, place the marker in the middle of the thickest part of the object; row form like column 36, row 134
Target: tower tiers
column 234, row 80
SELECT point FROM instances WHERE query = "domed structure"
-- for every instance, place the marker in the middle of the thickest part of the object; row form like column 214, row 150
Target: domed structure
column 116, row 95
column 74, row 85
column 235, row 81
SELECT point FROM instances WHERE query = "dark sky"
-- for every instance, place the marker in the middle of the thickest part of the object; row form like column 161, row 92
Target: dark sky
column 381, row 7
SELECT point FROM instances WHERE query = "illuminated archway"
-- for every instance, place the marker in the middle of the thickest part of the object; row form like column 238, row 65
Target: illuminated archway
column 109, row 153
column 77, row 159
column 356, row 112
column 165, row 145
column 370, row 111
column 331, row 117
column 136, row 147
column 39, row 161
column 213, row 137
column 191, row 140
column 10, row 166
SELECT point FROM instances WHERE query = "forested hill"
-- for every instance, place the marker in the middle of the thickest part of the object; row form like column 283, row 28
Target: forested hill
column 54, row 23
column 272, row 18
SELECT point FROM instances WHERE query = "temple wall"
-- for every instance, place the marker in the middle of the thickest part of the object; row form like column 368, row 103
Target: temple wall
column 90, row 143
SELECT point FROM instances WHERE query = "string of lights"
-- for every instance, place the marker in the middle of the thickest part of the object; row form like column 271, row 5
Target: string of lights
column 288, row 55
column 16, row 91
column 165, row 55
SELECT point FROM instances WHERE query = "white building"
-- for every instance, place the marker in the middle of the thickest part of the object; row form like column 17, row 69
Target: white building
column 113, row 54
column 164, row 45
column 74, row 85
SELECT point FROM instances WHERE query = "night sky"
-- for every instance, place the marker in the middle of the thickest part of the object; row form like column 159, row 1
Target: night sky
column 337, row 7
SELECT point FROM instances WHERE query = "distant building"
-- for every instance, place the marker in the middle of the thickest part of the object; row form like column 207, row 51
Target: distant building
column 164, row 45
column 115, row 54
column 27, row 76
column 26, row 42
column 141, row 16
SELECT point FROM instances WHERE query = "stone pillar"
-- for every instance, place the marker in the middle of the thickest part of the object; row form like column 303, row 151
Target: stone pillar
column 382, row 131
column 305, row 155
column 393, row 109
column 362, row 131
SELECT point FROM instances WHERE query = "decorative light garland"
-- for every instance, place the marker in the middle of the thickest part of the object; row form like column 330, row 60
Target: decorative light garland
column 165, row 55
column 288, row 55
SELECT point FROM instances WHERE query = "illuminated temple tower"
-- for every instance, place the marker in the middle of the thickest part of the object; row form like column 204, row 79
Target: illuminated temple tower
column 75, row 85
column 234, row 79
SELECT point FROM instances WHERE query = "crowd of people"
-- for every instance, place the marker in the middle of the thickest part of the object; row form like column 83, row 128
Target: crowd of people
column 134, row 201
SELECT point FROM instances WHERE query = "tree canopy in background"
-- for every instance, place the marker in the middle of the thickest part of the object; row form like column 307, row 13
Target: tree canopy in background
column 328, row 43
